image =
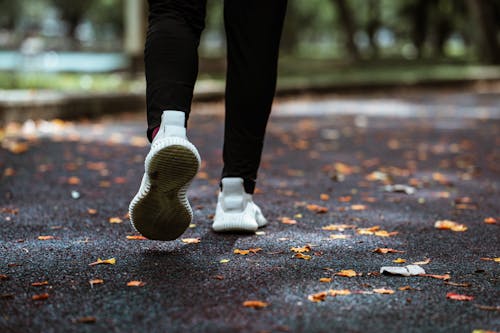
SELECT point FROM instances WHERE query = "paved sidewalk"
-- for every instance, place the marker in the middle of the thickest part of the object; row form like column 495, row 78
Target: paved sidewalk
column 65, row 190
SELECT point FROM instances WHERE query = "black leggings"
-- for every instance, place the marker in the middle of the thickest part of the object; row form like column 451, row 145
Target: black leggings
column 253, row 31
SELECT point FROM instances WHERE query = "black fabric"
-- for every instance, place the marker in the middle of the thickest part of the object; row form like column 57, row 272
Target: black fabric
column 253, row 31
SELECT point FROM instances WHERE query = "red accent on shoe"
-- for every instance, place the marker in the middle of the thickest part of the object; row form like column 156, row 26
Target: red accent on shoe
column 155, row 131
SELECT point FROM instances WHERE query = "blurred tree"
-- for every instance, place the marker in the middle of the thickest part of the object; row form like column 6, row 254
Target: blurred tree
column 10, row 13
column 486, row 28
column 72, row 12
column 106, row 13
column 348, row 25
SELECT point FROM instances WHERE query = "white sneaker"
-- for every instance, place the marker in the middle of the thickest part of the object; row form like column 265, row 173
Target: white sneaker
column 161, row 210
column 236, row 210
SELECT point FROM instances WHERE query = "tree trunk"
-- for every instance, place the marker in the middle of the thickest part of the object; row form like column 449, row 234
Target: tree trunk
column 420, row 22
column 481, row 13
column 348, row 25
column 373, row 25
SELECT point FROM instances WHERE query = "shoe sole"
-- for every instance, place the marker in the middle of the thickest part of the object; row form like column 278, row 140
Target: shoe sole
column 161, row 210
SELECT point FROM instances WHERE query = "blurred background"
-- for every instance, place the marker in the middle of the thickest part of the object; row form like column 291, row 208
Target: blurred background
column 97, row 45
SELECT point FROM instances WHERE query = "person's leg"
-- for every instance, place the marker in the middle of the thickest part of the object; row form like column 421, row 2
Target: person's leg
column 253, row 30
column 171, row 56
column 160, row 209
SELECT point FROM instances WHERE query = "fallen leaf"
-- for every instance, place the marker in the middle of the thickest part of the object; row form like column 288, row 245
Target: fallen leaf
column 4, row 277
column 325, row 280
column 347, row 273
column 449, row 225
column 45, row 237
column 490, row 220
column 459, row 297
column 367, row 231
column 345, row 198
column 287, row 220
column 191, row 240
column 73, row 180
column 423, row 262
column 385, row 233
column 255, row 304
column 491, row 259
column 440, row 277
column 306, row 248
column 399, row 261
column 317, row 209
column 115, row 219
column 242, row 252
column 404, row 288
column 383, row 291
column 224, row 261
column 302, row 256
column 400, row 188
column 91, row 211
column 110, row 261
column 483, row 331
column 136, row 237
column 135, row 283
column 38, row 284
column 358, row 207
column 324, row 197
column 339, row 292
column 487, row 307
column 455, row 284
column 318, row 297
column 96, row 281
column 255, row 250
column 15, row 147
column 339, row 236
column 86, row 320
column 40, row 297
column 385, row 250
column 338, row 227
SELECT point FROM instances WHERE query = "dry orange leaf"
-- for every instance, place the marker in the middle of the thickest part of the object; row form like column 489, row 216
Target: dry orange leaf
column 110, row 261
column 490, row 220
column 16, row 147
column 399, row 260
column 191, row 240
column 115, row 219
column 339, row 292
column 40, row 297
column 339, row 236
column 368, row 231
column 96, row 281
column 385, row 250
column 317, row 209
column 318, row 297
column 255, row 304
column 73, row 180
column 347, row 273
column 338, row 227
column 324, row 197
column 136, row 237
column 345, row 199
column 434, row 276
column 491, row 259
column 326, row 280
column 459, row 297
column 45, row 237
column 383, row 291
column 135, row 283
column 92, row 211
column 449, row 225
column 358, row 207
column 302, row 256
column 287, row 220
column 385, row 233
column 403, row 288
column 306, row 248
column 86, row 320
column 38, row 284
column 242, row 252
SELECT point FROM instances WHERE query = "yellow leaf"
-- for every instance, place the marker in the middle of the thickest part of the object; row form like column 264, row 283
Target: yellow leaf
column 491, row 259
column 367, row 231
column 38, row 284
column 347, row 273
column 385, row 250
column 73, row 180
column 338, row 227
column 302, row 256
column 358, row 207
column 92, row 211
column 318, row 297
column 317, row 209
column 399, row 260
column 224, row 261
column 383, row 291
column 337, row 292
column 191, row 240
column 115, row 219
column 385, row 233
column 136, row 237
column 287, row 220
column 339, row 236
column 242, row 252
column 405, row 288
column 449, row 225
column 45, row 237
column 110, row 261
column 324, row 197
column 306, row 248
column 326, row 280
column 255, row 304
column 135, row 283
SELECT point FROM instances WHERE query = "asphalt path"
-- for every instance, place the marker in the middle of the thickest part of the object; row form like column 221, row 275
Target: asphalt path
column 65, row 189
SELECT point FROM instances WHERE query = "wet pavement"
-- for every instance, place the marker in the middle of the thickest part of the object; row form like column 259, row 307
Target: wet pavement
column 66, row 186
